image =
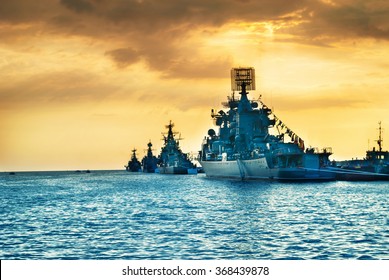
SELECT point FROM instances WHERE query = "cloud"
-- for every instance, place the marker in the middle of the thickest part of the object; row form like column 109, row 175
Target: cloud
column 166, row 34
column 325, row 22
column 124, row 56
column 198, row 69
column 151, row 30
column 59, row 88
column 147, row 17
column 78, row 6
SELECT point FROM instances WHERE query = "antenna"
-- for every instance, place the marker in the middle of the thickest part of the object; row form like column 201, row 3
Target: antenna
column 380, row 140
column 243, row 78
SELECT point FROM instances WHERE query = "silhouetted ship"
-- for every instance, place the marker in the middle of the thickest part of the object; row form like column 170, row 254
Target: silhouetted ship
column 149, row 162
column 375, row 166
column 171, row 159
column 244, row 148
column 133, row 164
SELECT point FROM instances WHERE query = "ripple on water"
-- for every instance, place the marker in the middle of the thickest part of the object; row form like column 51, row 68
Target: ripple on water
column 117, row 215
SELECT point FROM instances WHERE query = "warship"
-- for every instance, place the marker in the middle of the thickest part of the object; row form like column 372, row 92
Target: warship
column 375, row 166
column 149, row 161
column 133, row 164
column 171, row 159
column 244, row 147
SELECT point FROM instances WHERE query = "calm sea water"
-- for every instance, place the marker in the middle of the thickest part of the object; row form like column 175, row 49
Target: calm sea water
column 121, row 215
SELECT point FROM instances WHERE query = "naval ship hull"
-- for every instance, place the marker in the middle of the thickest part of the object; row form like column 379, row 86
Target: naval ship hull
column 257, row 169
column 172, row 170
column 359, row 174
column 176, row 170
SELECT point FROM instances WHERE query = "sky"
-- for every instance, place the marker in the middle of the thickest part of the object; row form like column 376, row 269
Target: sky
column 83, row 82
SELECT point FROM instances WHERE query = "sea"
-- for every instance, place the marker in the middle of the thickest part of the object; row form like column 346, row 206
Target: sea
column 119, row 215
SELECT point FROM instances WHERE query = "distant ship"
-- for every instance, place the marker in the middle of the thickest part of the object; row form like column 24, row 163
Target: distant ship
column 134, row 164
column 243, row 147
column 149, row 162
column 375, row 166
column 171, row 159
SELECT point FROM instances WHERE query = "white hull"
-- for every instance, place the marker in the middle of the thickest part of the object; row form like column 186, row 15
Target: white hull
column 257, row 169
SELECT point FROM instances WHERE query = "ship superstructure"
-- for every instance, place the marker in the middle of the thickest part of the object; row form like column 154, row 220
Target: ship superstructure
column 245, row 148
column 134, row 164
column 149, row 161
column 375, row 166
column 171, row 159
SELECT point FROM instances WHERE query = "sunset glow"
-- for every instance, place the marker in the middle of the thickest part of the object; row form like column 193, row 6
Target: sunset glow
column 86, row 81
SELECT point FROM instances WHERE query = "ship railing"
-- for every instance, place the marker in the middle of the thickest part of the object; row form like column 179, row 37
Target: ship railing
column 326, row 150
column 286, row 151
column 212, row 157
column 315, row 150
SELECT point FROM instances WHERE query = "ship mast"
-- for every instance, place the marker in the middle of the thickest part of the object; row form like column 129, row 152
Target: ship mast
column 380, row 140
column 133, row 157
column 243, row 79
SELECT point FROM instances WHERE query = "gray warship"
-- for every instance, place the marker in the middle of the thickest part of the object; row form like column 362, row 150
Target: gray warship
column 171, row 159
column 375, row 166
column 244, row 148
column 134, row 164
column 149, row 161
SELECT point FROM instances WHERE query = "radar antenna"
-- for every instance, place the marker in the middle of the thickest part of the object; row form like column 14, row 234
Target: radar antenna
column 243, row 78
